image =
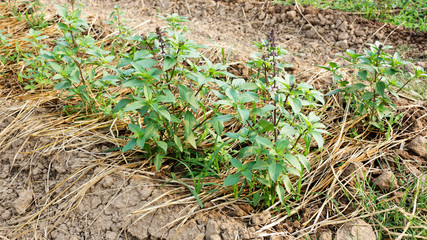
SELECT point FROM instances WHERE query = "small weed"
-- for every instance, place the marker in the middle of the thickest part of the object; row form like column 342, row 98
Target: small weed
column 272, row 131
column 373, row 81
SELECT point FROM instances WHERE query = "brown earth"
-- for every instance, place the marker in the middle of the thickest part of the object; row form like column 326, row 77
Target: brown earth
column 68, row 188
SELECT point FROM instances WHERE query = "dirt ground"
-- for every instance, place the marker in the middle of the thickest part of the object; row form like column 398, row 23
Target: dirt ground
column 64, row 189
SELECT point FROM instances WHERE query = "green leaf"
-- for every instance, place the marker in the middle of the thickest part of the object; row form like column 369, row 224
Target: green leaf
column 260, row 165
column 288, row 184
column 281, row 145
column 223, row 118
column 264, row 141
column 62, row 11
column 248, row 97
column 280, row 193
column 266, row 126
column 363, row 74
column 158, row 159
column 275, row 170
column 178, row 142
column 318, row 138
column 141, row 54
column 293, row 161
column 256, row 198
column 134, row 106
column 145, row 63
column 169, row 62
column 165, row 113
column 304, row 161
column 219, row 128
column 123, row 62
column 366, row 66
column 268, row 108
column 121, row 104
column 367, row 96
column 62, row 85
column 380, row 87
column 230, row 134
column 231, row 180
column 334, row 92
column 140, row 141
column 247, row 151
column 236, row 163
column 237, row 82
column 131, row 144
column 391, row 71
column 110, row 79
column 232, row 94
column 168, row 97
column 135, row 129
column 248, row 86
column 192, row 140
column 244, row 113
column 189, row 122
column 295, row 104
column 148, row 94
column 264, row 181
column 247, row 174
column 55, row 66
column 163, row 146
column 133, row 83
column 355, row 87
column 288, row 130
column 188, row 96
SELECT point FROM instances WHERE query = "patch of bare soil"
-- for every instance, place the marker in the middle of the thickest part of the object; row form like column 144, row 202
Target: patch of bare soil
column 57, row 181
column 312, row 36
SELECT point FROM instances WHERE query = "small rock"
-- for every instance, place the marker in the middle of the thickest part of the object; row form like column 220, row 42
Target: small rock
column 413, row 169
column 386, row 181
column 261, row 16
column 355, row 169
column 358, row 40
column 344, row 26
column 108, row 182
column 359, row 33
column 6, row 215
column 310, row 10
column 59, row 168
column 283, row 16
column 343, row 36
column 356, row 229
column 212, row 229
column 418, row 146
column 201, row 236
column 261, row 218
column 210, row 4
column 110, row 235
column 311, row 33
column 273, row 21
column 342, row 44
column 215, row 237
column 313, row 45
column 248, row 6
column 291, row 14
column 23, row 201
column 326, row 235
